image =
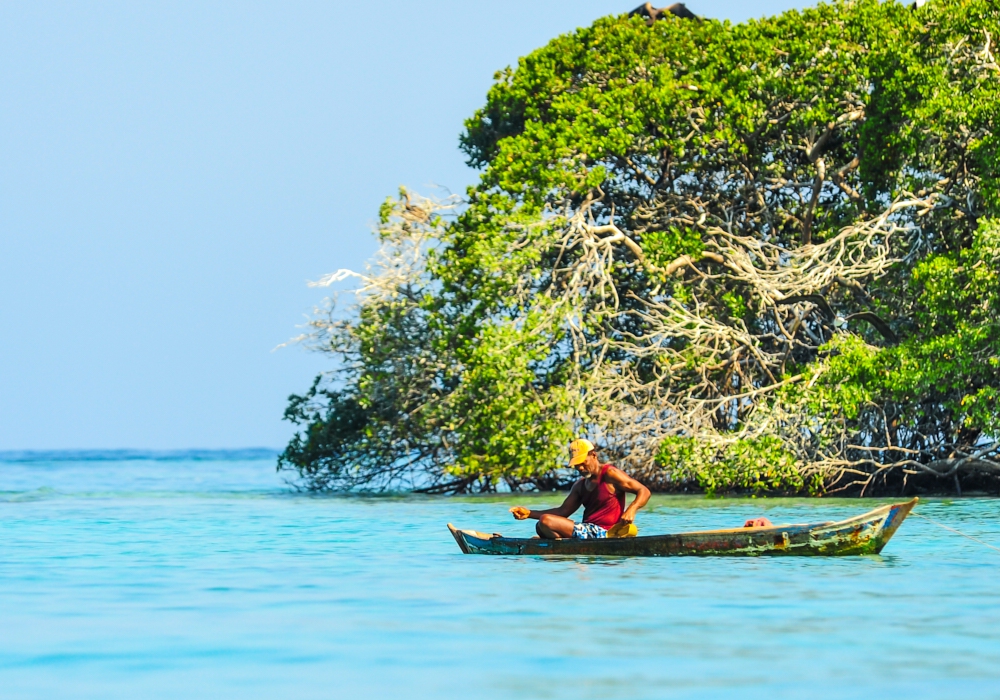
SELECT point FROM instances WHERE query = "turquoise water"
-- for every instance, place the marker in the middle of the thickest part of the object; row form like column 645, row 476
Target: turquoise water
column 208, row 577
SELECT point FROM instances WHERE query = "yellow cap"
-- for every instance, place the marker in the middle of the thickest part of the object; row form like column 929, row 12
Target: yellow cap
column 578, row 451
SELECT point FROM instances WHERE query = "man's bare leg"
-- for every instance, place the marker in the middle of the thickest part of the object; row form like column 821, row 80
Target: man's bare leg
column 554, row 527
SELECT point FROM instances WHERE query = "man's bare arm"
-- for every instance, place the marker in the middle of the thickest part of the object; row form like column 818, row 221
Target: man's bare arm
column 565, row 509
column 623, row 481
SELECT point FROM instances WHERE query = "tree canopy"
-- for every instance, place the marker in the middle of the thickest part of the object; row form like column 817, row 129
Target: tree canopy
column 742, row 257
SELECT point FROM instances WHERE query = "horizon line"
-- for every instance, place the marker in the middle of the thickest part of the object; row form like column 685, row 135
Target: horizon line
column 138, row 454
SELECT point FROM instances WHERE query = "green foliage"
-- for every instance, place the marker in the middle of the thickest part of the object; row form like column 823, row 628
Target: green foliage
column 761, row 465
column 643, row 259
column 663, row 247
column 506, row 423
column 948, row 371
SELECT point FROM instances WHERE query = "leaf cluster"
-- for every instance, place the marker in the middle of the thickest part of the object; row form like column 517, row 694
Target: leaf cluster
column 756, row 257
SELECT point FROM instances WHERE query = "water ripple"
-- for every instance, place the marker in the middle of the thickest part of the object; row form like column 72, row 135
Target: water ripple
column 123, row 579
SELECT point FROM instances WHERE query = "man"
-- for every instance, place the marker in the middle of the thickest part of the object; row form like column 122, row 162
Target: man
column 601, row 492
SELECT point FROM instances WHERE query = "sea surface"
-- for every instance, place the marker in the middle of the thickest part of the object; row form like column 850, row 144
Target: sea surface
column 204, row 575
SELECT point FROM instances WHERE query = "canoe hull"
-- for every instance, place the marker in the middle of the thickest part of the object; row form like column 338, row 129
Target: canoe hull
column 863, row 534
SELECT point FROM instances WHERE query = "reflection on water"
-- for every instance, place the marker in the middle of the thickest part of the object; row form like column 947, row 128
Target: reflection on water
column 156, row 579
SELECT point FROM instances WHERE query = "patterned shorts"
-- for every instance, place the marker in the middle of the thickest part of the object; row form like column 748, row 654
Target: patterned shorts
column 588, row 531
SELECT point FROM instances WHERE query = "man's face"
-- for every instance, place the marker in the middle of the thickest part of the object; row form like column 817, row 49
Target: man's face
column 589, row 466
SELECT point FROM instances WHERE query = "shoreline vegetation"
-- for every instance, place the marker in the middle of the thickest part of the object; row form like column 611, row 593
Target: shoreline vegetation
column 756, row 258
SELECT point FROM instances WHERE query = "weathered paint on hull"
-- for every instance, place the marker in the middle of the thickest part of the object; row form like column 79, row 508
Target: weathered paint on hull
column 864, row 534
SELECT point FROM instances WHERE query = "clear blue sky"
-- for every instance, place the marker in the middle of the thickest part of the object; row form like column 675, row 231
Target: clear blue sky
column 172, row 173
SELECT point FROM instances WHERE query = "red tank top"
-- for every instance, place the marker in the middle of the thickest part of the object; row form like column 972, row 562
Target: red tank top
column 599, row 506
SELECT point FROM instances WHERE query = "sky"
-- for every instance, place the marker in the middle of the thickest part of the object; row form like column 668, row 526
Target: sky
column 172, row 174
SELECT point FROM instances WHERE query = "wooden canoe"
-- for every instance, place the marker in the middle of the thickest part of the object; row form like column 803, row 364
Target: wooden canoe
column 863, row 534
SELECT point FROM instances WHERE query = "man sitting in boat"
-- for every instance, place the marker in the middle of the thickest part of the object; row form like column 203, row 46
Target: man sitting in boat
column 601, row 492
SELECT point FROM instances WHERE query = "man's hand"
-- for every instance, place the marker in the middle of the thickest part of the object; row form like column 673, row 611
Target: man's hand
column 628, row 517
column 520, row 512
